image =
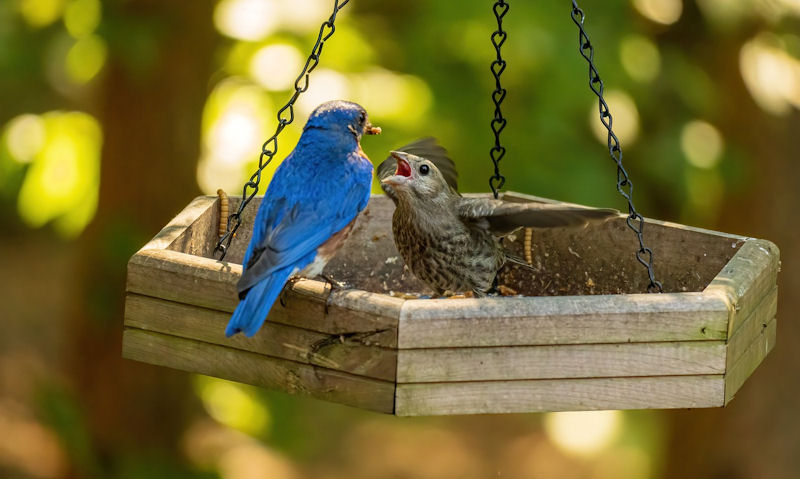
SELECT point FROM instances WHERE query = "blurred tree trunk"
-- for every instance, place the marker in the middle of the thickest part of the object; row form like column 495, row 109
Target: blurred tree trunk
column 150, row 106
column 757, row 434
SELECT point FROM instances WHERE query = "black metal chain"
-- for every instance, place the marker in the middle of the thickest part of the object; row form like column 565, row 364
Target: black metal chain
column 624, row 185
column 496, row 181
column 270, row 147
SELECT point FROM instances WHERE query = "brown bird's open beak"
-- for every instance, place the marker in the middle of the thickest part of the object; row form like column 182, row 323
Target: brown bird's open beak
column 403, row 172
column 403, row 167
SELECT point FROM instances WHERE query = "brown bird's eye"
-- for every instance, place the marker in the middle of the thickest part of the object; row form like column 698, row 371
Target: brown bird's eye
column 424, row 170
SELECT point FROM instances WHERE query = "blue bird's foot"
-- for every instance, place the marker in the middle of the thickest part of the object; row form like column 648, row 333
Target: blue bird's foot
column 334, row 285
column 332, row 282
column 286, row 288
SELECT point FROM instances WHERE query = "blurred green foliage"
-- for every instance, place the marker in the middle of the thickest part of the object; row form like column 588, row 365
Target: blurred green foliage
column 61, row 411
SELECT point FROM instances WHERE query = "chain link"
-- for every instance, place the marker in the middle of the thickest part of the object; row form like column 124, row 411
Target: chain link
column 285, row 117
column 624, row 185
column 498, row 123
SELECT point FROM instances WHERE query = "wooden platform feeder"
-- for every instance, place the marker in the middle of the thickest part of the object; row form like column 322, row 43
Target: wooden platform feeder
column 581, row 338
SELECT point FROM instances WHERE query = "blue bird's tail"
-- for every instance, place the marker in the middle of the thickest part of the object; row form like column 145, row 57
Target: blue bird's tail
column 252, row 311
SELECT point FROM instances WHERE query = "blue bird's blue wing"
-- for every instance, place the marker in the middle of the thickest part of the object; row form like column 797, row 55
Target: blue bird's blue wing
column 286, row 237
column 298, row 232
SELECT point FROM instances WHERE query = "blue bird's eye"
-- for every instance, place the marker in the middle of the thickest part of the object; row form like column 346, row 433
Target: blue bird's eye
column 424, row 170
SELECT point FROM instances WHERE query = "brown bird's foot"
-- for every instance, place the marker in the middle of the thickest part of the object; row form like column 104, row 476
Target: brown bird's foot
column 286, row 288
column 494, row 290
column 334, row 285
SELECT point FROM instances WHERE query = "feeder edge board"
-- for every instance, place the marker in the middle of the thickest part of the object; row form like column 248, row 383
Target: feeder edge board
column 356, row 353
column 560, row 361
column 562, row 320
column 544, row 395
column 207, row 283
column 179, row 225
column 749, row 360
column 475, row 397
column 751, row 343
column 752, row 327
column 242, row 366
column 748, row 284
column 745, row 279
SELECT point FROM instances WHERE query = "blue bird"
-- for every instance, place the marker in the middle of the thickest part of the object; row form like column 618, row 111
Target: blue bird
column 308, row 209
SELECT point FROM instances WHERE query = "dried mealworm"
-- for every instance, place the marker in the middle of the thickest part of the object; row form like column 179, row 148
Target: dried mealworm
column 528, row 241
column 223, row 212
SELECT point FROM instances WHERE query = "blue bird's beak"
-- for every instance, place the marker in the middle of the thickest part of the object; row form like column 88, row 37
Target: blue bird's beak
column 369, row 130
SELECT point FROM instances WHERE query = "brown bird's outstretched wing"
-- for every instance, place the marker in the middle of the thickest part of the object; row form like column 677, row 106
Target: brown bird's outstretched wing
column 426, row 148
column 502, row 218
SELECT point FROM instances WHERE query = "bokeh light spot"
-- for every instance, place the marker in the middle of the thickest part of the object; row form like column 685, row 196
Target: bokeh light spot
column 24, row 137
column 249, row 20
column 702, row 144
column 275, row 67
column 235, row 134
column 775, row 10
column 252, row 461
column 85, row 59
column 665, row 12
column 392, row 96
column 232, row 404
column 584, row 433
column 62, row 182
column 234, row 120
column 350, row 49
column 81, row 17
column 706, row 191
column 771, row 75
column 640, row 57
column 623, row 463
column 235, row 123
column 625, row 118
column 300, row 16
column 324, row 85
column 725, row 13
column 40, row 13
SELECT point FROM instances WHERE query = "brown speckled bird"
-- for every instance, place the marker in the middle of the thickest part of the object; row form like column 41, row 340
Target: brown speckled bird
column 450, row 242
